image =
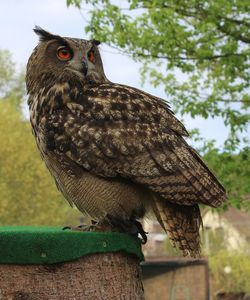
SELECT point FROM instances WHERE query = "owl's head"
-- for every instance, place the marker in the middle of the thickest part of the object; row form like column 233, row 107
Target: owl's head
column 58, row 58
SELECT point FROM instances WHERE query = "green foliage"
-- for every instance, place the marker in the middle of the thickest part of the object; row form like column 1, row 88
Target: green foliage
column 231, row 271
column 7, row 71
column 28, row 193
column 233, row 170
column 12, row 85
column 206, row 43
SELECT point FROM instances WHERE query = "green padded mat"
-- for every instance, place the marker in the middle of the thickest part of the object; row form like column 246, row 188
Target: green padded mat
column 47, row 245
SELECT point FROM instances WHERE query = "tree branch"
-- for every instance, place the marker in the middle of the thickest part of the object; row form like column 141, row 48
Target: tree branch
column 209, row 57
column 234, row 101
column 234, row 34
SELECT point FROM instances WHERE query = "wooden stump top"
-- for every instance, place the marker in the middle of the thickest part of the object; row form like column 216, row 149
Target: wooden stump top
column 49, row 245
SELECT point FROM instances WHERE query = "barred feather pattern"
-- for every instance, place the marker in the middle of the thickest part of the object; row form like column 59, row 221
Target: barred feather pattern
column 182, row 224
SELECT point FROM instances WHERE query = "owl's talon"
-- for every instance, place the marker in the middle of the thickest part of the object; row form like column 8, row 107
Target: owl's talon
column 141, row 231
column 82, row 227
column 66, row 228
column 131, row 226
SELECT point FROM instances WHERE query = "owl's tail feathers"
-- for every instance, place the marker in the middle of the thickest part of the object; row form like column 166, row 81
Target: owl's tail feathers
column 182, row 224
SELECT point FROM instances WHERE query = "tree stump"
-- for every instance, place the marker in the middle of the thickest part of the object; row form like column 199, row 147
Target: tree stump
column 48, row 263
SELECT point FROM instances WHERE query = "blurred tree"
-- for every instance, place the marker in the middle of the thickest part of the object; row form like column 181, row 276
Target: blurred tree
column 199, row 50
column 28, row 193
column 234, row 172
column 7, row 71
column 12, row 84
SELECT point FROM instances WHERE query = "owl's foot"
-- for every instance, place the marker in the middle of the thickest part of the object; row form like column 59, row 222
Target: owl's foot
column 130, row 226
column 83, row 227
column 110, row 223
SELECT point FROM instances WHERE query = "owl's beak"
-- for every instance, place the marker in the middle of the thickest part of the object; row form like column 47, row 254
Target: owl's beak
column 84, row 67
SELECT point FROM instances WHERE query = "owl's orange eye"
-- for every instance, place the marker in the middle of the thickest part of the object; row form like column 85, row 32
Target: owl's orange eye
column 91, row 56
column 63, row 53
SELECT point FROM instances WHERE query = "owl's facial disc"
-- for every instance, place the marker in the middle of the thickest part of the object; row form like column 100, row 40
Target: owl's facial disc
column 70, row 59
column 83, row 62
column 65, row 54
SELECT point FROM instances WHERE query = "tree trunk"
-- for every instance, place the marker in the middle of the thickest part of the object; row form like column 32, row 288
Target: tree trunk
column 106, row 276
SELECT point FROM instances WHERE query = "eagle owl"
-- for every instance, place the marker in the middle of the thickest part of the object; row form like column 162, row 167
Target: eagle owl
column 112, row 149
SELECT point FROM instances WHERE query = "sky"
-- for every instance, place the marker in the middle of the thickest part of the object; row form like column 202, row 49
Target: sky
column 18, row 18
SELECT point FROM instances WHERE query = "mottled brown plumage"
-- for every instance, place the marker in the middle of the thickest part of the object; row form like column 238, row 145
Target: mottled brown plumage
column 113, row 149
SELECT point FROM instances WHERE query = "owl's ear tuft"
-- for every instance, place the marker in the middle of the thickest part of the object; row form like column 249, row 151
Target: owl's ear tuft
column 96, row 42
column 45, row 35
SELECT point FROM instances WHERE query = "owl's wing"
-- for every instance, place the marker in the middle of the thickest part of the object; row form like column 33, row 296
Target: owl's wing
column 120, row 131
